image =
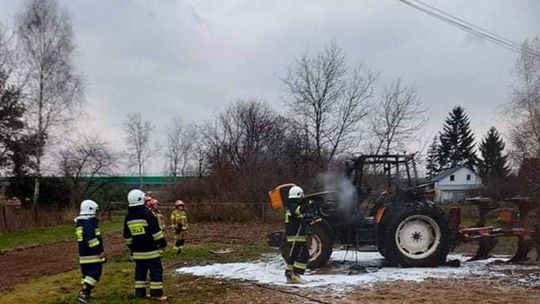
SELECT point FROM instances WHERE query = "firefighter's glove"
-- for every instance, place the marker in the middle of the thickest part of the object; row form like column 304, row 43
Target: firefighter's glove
column 315, row 221
column 178, row 228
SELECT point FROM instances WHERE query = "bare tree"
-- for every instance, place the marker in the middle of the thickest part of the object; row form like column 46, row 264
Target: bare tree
column 83, row 161
column 53, row 86
column 7, row 56
column 525, row 106
column 244, row 147
column 397, row 117
column 11, row 108
column 140, row 148
column 329, row 99
column 180, row 152
column 243, row 134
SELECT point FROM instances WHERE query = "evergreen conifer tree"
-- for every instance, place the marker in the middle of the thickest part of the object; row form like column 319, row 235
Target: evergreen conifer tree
column 432, row 167
column 493, row 163
column 456, row 141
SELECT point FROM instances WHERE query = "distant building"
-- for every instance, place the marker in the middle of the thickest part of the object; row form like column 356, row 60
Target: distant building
column 455, row 184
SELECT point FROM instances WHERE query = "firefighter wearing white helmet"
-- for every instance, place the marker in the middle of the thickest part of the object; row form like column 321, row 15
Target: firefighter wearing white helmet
column 180, row 225
column 295, row 228
column 136, row 198
column 91, row 254
column 146, row 241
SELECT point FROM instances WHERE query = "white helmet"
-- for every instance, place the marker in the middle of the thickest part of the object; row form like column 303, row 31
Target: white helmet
column 135, row 198
column 296, row 192
column 89, row 207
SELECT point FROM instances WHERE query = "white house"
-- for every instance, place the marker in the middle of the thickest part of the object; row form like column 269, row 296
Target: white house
column 455, row 184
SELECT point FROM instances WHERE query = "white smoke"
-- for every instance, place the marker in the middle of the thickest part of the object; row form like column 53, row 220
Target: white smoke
column 346, row 193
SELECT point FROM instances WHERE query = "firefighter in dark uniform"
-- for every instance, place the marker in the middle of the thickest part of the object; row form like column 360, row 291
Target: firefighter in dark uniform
column 297, row 215
column 146, row 242
column 91, row 254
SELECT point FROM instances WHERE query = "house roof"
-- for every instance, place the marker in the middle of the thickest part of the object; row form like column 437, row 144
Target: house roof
column 447, row 172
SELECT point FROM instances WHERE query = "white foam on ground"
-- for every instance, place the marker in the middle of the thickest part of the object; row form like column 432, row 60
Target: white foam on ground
column 270, row 270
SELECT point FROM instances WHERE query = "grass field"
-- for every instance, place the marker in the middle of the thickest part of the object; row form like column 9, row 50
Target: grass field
column 42, row 236
column 116, row 284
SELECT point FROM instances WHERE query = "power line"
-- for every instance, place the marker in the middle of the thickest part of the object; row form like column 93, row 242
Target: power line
column 469, row 27
column 483, row 31
column 511, row 46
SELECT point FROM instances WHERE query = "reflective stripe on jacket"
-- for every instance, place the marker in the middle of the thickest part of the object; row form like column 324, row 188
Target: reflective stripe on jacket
column 179, row 217
column 142, row 234
column 89, row 240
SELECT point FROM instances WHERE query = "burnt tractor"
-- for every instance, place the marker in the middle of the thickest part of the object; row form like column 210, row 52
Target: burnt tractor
column 378, row 201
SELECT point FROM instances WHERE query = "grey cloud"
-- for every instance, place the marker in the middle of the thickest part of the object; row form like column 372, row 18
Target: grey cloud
column 192, row 58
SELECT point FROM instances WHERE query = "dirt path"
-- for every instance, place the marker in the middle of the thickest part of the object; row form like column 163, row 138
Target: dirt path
column 22, row 265
column 19, row 266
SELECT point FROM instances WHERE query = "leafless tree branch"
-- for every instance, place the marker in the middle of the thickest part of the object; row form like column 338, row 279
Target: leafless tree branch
column 330, row 99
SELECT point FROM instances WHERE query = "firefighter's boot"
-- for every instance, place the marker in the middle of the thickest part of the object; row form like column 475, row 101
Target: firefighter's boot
column 160, row 299
column 295, row 279
column 84, row 295
column 288, row 275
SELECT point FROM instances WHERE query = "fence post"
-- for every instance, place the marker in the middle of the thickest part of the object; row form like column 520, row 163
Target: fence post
column 4, row 218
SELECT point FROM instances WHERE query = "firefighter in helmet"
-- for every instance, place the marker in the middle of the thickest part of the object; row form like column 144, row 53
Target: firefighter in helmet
column 297, row 216
column 153, row 205
column 179, row 222
column 146, row 242
column 91, row 254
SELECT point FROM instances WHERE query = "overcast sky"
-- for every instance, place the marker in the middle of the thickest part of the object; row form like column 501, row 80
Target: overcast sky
column 193, row 58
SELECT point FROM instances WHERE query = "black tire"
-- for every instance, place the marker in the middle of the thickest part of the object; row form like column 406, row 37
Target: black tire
column 380, row 243
column 319, row 253
column 420, row 224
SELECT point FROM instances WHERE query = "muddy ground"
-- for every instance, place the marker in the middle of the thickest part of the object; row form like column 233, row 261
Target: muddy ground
column 430, row 291
column 19, row 266
column 23, row 265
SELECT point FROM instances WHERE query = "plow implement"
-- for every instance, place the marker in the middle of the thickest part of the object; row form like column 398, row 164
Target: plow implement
column 511, row 223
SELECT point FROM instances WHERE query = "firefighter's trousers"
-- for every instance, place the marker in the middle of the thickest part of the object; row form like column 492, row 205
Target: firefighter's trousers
column 298, row 254
column 90, row 274
column 179, row 240
column 142, row 268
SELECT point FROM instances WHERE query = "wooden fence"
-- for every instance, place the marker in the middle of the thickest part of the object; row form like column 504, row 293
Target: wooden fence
column 14, row 218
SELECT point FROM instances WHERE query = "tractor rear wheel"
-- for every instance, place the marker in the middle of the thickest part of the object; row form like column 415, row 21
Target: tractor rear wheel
column 416, row 235
column 319, row 245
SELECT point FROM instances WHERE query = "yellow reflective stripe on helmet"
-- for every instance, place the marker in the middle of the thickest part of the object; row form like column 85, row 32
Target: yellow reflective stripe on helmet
column 300, row 265
column 91, row 259
column 93, row 242
column 156, row 285
column 296, row 239
column 158, row 235
column 89, row 280
column 146, row 255
column 140, row 284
